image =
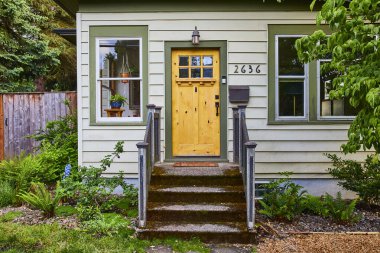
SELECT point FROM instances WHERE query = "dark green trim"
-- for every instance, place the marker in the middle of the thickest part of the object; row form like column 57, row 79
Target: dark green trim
column 115, row 6
column 313, row 99
column 222, row 46
column 114, row 32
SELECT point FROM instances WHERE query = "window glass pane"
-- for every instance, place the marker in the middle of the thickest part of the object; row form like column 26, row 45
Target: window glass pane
column 291, row 98
column 126, row 95
column 196, row 73
column 183, row 73
column 207, row 60
column 330, row 107
column 184, row 61
column 287, row 57
column 119, row 58
column 207, row 72
column 195, row 61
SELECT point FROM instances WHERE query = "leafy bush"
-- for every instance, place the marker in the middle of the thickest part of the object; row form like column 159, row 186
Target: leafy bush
column 58, row 145
column 364, row 179
column 21, row 171
column 337, row 209
column 94, row 193
column 7, row 194
column 283, row 199
column 107, row 224
column 40, row 198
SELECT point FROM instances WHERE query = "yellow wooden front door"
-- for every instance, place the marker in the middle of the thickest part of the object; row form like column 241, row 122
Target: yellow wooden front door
column 196, row 102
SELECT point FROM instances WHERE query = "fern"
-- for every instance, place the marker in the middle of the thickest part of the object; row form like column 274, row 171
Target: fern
column 41, row 199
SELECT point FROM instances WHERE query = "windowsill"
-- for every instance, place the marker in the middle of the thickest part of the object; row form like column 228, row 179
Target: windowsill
column 319, row 122
column 118, row 123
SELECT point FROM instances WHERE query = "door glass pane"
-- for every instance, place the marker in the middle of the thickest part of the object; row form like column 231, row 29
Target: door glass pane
column 287, row 57
column 195, row 61
column 207, row 60
column 330, row 107
column 119, row 58
column 184, row 61
column 183, row 73
column 207, row 72
column 196, row 73
column 291, row 98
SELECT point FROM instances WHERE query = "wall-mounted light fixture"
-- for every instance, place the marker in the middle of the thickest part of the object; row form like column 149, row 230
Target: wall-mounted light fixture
column 195, row 37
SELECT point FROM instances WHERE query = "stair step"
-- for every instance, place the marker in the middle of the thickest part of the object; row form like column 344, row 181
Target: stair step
column 197, row 212
column 222, row 170
column 196, row 194
column 232, row 232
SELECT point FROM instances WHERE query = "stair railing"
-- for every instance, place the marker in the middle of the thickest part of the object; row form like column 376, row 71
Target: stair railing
column 244, row 155
column 148, row 154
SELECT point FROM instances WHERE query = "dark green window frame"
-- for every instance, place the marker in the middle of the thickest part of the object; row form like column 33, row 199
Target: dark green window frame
column 312, row 100
column 96, row 32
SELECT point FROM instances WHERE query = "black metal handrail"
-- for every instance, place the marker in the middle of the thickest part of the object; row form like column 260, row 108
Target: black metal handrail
column 244, row 155
column 148, row 154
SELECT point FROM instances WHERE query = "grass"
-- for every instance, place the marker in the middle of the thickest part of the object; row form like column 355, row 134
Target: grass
column 52, row 238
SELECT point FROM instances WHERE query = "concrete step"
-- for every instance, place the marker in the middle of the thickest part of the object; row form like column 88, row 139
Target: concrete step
column 225, row 174
column 231, row 232
column 203, row 212
column 196, row 194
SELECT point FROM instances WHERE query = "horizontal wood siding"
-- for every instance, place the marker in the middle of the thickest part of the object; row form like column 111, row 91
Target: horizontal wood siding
column 297, row 148
column 22, row 114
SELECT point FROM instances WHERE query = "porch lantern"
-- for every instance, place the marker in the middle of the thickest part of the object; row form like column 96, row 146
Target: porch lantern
column 195, row 37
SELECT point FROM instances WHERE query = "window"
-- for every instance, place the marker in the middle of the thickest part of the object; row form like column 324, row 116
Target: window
column 118, row 73
column 297, row 92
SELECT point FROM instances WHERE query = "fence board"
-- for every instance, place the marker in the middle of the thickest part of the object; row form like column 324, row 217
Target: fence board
column 22, row 114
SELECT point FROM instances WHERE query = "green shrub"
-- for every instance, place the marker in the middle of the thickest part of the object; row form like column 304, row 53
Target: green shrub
column 283, row 199
column 364, row 179
column 107, row 224
column 337, row 209
column 21, row 171
column 40, row 198
column 58, row 145
column 7, row 194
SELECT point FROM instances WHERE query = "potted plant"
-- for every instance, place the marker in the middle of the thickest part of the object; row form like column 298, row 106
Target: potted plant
column 117, row 101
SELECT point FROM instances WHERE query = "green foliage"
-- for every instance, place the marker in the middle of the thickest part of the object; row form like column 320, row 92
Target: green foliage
column 40, row 198
column 192, row 245
column 283, row 199
column 7, row 194
column 118, row 98
column 354, row 46
column 24, row 53
column 10, row 216
column 21, row 171
column 106, row 225
column 65, row 211
column 326, row 206
column 364, row 179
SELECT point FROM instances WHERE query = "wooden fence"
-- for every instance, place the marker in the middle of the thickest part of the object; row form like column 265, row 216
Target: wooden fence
column 22, row 114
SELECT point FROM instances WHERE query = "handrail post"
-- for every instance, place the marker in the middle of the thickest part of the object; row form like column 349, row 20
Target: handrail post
column 151, row 110
column 158, row 135
column 241, row 110
column 235, row 117
column 250, row 184
column 143, row 188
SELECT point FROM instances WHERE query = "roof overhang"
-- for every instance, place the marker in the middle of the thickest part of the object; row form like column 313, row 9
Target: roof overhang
column 70, row 34
column 71, row 6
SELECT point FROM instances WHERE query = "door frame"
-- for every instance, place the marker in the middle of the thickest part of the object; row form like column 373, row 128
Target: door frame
column 222, row 47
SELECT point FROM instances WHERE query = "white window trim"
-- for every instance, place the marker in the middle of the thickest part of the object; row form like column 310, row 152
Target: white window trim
column 98, row 111
column 319, row 117
column 304, row 78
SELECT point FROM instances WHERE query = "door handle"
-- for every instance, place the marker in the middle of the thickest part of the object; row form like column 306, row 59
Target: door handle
column 217, row 108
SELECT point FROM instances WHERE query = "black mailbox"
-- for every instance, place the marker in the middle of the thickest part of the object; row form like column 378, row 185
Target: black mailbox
column 238, row 93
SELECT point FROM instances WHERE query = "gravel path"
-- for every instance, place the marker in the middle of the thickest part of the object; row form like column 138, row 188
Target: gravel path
column 319, row 243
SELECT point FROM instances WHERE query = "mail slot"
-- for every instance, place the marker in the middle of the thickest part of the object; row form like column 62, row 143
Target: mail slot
column 238, row 93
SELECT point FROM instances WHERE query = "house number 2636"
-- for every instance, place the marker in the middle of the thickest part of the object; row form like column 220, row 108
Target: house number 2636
column 247, row 69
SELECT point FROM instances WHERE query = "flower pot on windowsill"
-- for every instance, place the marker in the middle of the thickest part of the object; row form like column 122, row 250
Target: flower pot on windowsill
column 116, row 104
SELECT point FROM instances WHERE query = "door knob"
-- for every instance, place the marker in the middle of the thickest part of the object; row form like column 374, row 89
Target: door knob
column 217, row 108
